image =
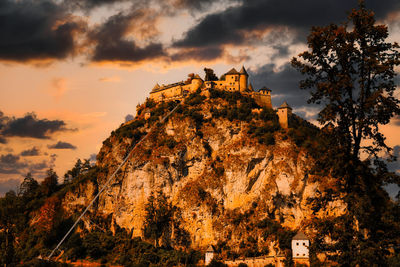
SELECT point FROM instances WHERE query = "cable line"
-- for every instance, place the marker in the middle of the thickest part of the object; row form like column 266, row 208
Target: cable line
column 109, row 180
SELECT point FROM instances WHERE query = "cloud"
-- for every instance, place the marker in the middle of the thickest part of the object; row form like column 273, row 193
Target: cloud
column 34, row 151
column 30, row 126
column 58, row 87
column 93, row 158
column 395, row 166
column 11, row 164
column 10, row 184
column 396, row 120
column 113, row 43
column 113, row 79
column 129, row 117
column 36, row 30
column 283, row 82
column 62, row 145
column 200, row 53
column 233, row 25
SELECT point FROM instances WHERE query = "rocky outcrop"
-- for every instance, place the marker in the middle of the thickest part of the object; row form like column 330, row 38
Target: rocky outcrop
column 223, row 179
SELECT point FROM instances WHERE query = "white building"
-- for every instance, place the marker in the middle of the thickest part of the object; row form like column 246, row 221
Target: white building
column 300, row 244
column 209, row 255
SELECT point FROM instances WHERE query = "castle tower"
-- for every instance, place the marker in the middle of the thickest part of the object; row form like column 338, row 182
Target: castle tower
column 284, row 111
column 300, row 244
column 243, row 79
column 197, row 83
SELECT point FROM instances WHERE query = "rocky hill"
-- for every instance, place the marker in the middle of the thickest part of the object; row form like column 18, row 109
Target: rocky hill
column 234, row 174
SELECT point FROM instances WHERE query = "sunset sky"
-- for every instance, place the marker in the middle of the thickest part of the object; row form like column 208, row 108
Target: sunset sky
column 71, row 71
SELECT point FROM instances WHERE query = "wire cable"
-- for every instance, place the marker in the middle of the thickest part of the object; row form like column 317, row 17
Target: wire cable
column 109, row 180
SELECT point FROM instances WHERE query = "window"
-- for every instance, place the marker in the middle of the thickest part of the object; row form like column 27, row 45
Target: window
column 297, row 243
column 304, row 244
column 297, row 254
column 304, row 254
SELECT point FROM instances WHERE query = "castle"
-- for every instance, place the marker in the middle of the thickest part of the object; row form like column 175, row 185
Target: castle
column 232, row 81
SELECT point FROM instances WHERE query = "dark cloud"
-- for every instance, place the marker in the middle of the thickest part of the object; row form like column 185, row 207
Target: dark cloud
column 201, row 54
column 113, row 44
column 11, row 164
column 34, row 151
column 36, row 30
column 233, row 25
column 396, row 120
column 29, row 126
column 62, row 145
column 284, row 84
column 129, row 117
column 395, row 165
column 7, row 185
column 93, row 158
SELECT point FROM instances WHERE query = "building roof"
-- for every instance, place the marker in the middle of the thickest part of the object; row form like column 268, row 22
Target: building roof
column 300, row 236
column 243, row 71
column 285, row 105
column 210, row 249
column 232, row 71
column 251, row 87
column 264, row 89
column 163, row 87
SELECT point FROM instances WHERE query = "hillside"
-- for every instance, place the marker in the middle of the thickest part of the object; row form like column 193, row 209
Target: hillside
column 222, row 161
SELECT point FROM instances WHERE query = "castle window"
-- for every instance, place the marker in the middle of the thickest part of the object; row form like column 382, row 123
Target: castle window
column 304, row 244
column 297, row 243
column 297, row 254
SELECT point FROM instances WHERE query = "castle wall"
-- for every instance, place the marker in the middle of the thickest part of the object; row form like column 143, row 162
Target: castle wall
column 263, row 100
column 167, row 93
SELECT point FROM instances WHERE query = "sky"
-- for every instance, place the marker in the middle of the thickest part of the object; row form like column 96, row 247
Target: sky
column 71, row 71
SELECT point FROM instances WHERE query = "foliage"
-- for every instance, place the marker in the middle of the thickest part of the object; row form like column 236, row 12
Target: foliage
column 351, row 72
column 216, row 263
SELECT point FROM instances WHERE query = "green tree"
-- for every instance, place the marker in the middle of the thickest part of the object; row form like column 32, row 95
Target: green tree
column 350, row 71
column 159, row 213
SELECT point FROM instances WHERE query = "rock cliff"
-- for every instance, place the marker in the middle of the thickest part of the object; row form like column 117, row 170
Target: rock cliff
column 221, row 159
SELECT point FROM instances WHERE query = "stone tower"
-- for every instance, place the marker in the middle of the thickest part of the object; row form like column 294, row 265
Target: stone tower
column 284, row 111
column 243, row 79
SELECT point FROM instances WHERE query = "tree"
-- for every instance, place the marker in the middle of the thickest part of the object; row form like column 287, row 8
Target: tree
column 50, row 183
column 28, row 187
column 159, row 213
column 210, row 75
column 350, row 71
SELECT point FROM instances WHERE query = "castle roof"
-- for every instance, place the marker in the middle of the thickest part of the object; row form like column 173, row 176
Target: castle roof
column 251, row 87
column 232, row 71
column 243, row 71
column 163, row 87
column 300, row 236
column 265, row 89
column 210, row 249
column 157, row 86
column 285, row 105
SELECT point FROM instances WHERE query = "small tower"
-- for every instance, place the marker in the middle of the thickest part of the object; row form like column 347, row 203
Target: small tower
column 209, row 255
column 284, row 111
column 243, row 79
column 300, row 244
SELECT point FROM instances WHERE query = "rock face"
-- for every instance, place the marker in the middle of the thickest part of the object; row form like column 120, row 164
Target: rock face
column 220, row 176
